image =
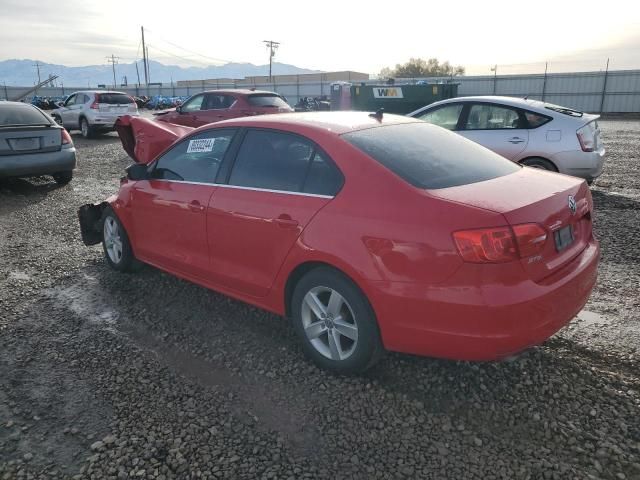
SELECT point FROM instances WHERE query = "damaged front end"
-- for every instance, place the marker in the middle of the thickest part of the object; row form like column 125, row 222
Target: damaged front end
column 90, row 216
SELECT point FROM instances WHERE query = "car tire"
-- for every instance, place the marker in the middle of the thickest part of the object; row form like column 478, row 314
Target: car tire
column 346, row 339
column 85, row 128
column 62, row 178
column 541, row 163
column 115, row 244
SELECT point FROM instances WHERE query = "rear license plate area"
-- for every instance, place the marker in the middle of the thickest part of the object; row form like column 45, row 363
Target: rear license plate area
column 20, row 144
column 563, row 237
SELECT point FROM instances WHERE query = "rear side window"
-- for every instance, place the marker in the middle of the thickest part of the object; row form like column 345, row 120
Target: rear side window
column 114, row 98
column 281, row 161
column 266, row 100
column 195, row 159
column 536, row 120
column 12, row 114
column 430, row 157
column 492, row 117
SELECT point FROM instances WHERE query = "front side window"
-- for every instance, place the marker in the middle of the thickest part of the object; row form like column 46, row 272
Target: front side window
column 280, row 161
column 70, row 101
column 218, row 102
column 429, row 157
column 193, row 105
column 445, row 117
column 492, row 117
column 195, row 159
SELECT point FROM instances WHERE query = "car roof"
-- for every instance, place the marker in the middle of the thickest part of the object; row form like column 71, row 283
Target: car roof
column 241, row 91
column 526, row 103
column 15, row 104
column 98, row 91
column 334, row 122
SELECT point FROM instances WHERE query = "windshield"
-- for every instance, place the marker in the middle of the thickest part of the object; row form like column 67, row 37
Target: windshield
column 22, row 114
column 427, row 156
column 267, row 100
column 114, row 98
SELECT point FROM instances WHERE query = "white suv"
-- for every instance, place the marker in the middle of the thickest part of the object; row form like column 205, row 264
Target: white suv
column 91, row 111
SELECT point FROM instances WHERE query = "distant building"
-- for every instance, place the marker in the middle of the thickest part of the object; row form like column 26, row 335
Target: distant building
column 347, row 76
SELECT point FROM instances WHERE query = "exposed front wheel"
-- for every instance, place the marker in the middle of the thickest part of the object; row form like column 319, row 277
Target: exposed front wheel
column 115, row 242
column 335, row 322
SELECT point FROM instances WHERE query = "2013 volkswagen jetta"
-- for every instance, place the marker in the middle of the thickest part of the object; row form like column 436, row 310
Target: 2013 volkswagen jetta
column 370, row 232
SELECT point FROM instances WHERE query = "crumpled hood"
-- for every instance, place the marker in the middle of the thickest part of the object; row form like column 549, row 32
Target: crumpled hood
column 144, row 139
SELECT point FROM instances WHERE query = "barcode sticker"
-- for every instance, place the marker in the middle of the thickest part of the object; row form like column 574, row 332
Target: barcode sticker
column 201, row 145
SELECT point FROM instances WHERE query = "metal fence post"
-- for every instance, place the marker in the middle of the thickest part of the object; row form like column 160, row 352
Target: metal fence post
column 604, row 87
column 544, row 83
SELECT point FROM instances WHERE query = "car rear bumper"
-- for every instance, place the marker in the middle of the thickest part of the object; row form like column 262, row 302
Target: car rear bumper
column 460, row 321
column 107, row 121
column 38, row 163
column 587, row 165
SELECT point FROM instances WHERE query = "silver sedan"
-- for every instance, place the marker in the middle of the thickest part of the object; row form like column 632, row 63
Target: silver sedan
column 530, row 132
column 31, row 144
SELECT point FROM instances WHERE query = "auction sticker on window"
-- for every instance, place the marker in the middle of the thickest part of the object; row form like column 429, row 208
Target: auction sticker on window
column 201, row 145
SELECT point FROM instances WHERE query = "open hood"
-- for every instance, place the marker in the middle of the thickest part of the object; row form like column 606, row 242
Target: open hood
column 143, row 139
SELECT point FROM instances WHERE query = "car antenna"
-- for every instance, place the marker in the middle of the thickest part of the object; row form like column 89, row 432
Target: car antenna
column 378, row 114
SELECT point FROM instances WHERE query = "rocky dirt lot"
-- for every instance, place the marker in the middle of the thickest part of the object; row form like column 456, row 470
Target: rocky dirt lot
column 104, row 375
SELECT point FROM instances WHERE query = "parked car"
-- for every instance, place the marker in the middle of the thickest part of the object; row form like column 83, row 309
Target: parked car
column 32, row 144
column 530, row 132
column 371, row 232
column 216, row 105
column 94, row 111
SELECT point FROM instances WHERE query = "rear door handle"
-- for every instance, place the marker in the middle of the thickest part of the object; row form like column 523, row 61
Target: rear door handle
column 196, row 207
column 285, row 221
column 516, row 140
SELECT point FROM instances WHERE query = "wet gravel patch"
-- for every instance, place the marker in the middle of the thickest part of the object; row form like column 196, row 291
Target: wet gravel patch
column 105, row 375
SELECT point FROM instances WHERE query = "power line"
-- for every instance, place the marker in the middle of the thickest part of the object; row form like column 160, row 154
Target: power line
column 272, row 46
column 113, row 60
column 214, row 59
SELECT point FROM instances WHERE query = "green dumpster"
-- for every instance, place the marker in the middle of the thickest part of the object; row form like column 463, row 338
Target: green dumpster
column 401, row 99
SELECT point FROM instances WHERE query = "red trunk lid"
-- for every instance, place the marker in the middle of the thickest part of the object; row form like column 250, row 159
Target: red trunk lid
column 535, row 196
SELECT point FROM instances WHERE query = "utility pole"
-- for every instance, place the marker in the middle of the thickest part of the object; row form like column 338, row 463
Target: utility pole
column 272, row 46
column 137, row 72
column 148, row 68
column 144, row 59
column 494, row 69
column 37, row 65
column 6, row 93
column 113, row 61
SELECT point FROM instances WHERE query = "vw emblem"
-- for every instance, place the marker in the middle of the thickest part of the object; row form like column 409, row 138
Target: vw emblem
column 572, row 204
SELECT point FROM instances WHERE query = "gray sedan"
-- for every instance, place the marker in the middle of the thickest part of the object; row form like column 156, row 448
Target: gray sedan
column 529, row 132
column 32, row 144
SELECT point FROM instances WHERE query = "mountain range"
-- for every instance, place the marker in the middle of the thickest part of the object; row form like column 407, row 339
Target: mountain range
column 24, row 73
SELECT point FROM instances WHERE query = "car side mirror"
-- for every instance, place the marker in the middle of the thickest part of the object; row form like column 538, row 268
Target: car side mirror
column 179, row 108
column 137, row 171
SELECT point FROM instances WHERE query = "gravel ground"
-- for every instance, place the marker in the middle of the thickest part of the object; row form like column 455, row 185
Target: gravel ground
column 105, row 375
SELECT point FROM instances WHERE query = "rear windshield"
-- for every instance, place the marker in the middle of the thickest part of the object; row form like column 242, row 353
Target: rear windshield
column 564, row 110
column 114, row 98
column 12, row 114
column 267, row 100
column 430, row 157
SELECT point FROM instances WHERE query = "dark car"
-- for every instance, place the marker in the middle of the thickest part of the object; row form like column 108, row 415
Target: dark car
column 216, row 105
column 32, row 143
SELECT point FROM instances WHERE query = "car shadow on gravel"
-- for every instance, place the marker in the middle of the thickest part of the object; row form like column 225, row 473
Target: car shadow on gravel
column 14, row 192
column 605, row 200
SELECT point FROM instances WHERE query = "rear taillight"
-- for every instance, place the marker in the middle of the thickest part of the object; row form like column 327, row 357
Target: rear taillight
column 587, row 138
column 530, row 238
column 94, row 105
column 500, row 244
column 66, row 138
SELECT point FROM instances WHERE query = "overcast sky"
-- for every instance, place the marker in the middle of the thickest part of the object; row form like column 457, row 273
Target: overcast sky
column 347, row 35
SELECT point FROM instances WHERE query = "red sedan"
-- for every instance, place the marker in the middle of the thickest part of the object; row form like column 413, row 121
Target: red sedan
column 370, row 232
column 216, row 105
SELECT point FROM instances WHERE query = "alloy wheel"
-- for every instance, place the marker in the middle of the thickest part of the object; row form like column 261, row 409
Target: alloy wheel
column 329, row 323
column 112, row 239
